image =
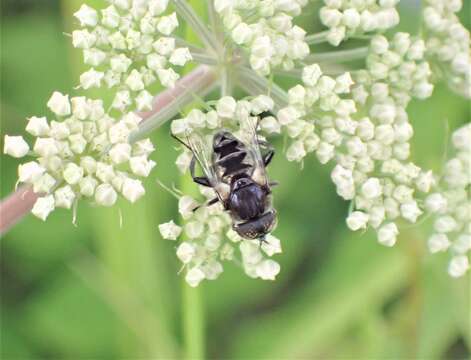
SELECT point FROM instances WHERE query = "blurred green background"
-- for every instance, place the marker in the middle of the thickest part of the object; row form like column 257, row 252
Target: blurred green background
column 98, row 291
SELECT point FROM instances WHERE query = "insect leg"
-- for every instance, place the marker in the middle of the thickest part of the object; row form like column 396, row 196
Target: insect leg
column 209, row 203
column 181, row 142
column 201, row 180
column 268, row 157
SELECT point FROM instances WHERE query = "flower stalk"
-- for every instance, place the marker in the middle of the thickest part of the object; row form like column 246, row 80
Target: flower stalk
column 339, row 56
column 193, row 20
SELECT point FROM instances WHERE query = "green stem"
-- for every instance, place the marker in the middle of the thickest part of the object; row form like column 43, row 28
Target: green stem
column 199, row 27
column 318, row 38
column 193, row 322
column 255, row 85
column 338, row 56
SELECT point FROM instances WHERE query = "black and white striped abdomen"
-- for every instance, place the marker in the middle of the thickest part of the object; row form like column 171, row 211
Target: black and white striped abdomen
column 231, row 157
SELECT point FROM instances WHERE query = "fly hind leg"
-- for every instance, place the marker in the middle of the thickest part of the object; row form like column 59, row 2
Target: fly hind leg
column 200, row 180
column 268, row 156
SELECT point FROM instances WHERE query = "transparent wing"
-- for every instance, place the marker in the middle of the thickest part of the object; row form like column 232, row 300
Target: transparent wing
column 248, row 130
column 201, row 147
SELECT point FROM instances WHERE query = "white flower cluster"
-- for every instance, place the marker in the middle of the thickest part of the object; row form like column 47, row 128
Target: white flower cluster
column 128, row 46
column 346, row 18
column 451, row 205
column 265, row 29
column 370, row 144
column 209, row 241
column 317, row 103
column 399, row 67
column 448, row 43
column 82, row 153
column 380, row 179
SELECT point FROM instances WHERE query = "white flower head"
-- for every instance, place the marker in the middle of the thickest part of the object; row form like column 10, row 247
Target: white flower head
column 129, row 47
column 268, row 35
column 81, row 153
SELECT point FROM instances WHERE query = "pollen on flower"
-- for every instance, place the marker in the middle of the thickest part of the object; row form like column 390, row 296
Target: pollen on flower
column 79, row 155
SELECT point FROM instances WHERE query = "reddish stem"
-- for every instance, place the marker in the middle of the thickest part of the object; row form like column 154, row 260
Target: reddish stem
column 14, row 207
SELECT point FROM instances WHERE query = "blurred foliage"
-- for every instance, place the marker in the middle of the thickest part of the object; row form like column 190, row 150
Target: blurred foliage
column 101, row 291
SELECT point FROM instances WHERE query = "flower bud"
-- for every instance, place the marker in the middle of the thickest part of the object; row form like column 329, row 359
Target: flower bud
column 87, row 186
column 64, row 197
column 157, row 7
column 261, row 103
column 186, row 206
column 438, row 243
column 226, row 107
column 59, row 104
column 15, row 146
column 185, row 252
column 287, row 115
column 351, row 18
column 141, row 166
column 410, row 211
column 170, row 231
column 167, row 24
column 357, row 220
column 29, row 172
column 458, row 266
column 445, row 224
column 91, row 79
column 296, row 151
column 242, row 34
column 194, row 229
column 134, row 81
column 180, row 56
column 105, row 195
column 120, row 153
column 38, row 126
column 83, row 39
column 110, row 17
column 311, row 74
column 87, row 16
column 43, row 207
column 330, row 17
column 268, row 269
column 45, row 147
column 194, row 276
column 77, row 143
column 372, row 188
column 167, row 77
column 88, row 164
column 72, row 173
column 387, row 234
column 44, row 184
column 132, row 189
column 436, row 203
column 93, row 57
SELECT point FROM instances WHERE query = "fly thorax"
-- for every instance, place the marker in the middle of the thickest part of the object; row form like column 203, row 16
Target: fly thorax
column 247, row 199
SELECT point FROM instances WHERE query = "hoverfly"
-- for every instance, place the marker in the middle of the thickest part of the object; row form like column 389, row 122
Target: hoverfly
column 236, row 170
